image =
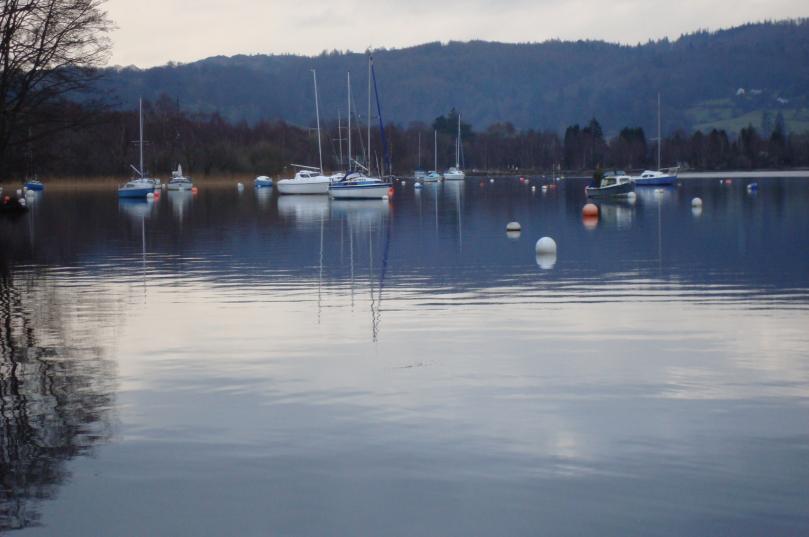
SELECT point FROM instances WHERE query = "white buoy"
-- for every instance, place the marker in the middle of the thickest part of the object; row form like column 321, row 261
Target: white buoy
column 403, row 182
column 491, row 180
column 150, row 196
column 546, row 261
column 22, row 202
column 19, row 192
column 544, row 188
column 533, row 189
column 417, row 185
column 513, row 226
column 696, row 202
column 239, row 186
column 546, row 245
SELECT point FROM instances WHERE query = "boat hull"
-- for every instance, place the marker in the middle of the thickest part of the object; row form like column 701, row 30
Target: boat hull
column 290, row 186
column 35, row 186
column 140, row 192
column 359, row 192
column 619, row 190
column 179, row 187
column 664, row 180
column 454, row 176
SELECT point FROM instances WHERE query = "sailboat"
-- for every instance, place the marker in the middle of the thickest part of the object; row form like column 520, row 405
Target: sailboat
column 660, row 177
column 141, row 186
column 455, row 173
column 308, row 179
column 433, row 176
column 356, row 184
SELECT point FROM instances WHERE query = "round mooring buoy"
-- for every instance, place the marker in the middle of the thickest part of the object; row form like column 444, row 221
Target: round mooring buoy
column 417, row 185
column 696, row 202
column 239, row 186
column 590, row 209
column 546, row 245
column 513, row 226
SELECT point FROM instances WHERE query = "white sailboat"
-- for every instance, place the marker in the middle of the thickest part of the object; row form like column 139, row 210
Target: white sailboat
column 308, row 180
column 661, row 176
column 455, row 173
column 356, row 184
column 141, row 186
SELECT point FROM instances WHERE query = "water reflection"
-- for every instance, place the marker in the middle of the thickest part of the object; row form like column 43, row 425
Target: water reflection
column 302, row 209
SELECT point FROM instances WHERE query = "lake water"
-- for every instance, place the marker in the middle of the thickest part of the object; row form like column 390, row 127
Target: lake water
column 252, row 364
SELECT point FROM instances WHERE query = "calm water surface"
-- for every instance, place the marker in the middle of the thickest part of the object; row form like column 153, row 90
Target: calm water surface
column 251, row 364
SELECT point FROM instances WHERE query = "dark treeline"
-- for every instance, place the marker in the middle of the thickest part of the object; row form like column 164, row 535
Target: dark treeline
column 206, row 144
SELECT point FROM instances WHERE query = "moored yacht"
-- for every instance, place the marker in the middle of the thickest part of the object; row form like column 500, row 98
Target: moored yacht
column 141, row 186
column 663, row 176
column 357, row 185
column 307, row 180
column 455, row 173
column 179, row 181
column 612, row 186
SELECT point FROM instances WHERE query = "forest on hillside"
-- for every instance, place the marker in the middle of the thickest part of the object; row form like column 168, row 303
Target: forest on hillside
column 542, row 86
column 207, row 144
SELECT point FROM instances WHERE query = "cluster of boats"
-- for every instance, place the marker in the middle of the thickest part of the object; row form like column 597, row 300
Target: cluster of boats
column 619, row 184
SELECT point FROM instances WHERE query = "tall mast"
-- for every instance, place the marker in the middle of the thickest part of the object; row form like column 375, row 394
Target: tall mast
column 419, row 150
column 140, row 120
column 659, row 138
column 435, row 150
column 349, row 122
column 458, row 144
column 317, row 115
column 369, row 114
column 340, row 136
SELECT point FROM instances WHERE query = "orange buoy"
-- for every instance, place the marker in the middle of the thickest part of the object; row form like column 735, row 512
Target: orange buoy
column 390, row 192
column 590, row 210
column 157, row 195
column 590, row 222
column 194, row 190
column 728, row 181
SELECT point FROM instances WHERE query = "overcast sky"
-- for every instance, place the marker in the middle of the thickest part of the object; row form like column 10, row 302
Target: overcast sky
column 154, row 32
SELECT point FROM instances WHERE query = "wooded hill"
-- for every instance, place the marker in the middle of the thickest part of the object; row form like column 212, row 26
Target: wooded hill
column 540, row 86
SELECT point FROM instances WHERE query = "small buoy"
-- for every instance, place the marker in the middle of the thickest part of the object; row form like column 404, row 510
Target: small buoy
column 544, row 188
column 513, row 226
column 390, row 192
column 590, row 209
column 696, row 210
column 403, row 182
column 194, row 190
column 546, row 245
column 240, row 186
column 533, row 189
column 546, row 261
column 590, row 222
column 163, row 186
column 721, row 181
column 522, row 179
column 25, row 189
column 19, row 192
column 728, row 181
column 150, row 196
column 417, row 185
column 527, row 181
column 491, row 180
column 752, row 187
column 631, row 197
column 22, row 202
column 156, row 195
column 696, row 202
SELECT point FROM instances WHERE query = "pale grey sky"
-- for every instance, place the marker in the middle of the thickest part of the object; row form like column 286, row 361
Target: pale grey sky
column 153, row 32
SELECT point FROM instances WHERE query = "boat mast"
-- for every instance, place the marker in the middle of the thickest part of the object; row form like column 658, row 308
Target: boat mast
column 458, row 145
column 140, row 143
column 659, row 138
column 349, row 122
column 340, row 136
column 419, row 150
column 369, row 114
column 435, row 150
column 317, row 115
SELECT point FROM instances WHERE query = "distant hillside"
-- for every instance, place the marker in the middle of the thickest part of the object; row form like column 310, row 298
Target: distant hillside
column 543, row 86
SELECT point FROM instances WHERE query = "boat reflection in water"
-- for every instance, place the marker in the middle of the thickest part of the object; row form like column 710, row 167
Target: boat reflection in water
column 180, row 202
column 136, row 209
column 303, row 209
column 619, row 214
column 263, row 196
